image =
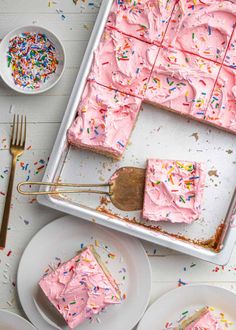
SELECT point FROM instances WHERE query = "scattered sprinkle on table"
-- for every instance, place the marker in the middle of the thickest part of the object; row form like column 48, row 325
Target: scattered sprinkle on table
column 32, row 59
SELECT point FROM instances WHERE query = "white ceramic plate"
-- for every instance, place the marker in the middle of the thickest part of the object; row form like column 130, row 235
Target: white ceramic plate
column 11, row 321
column 60, row 240
column 171, row 308
column 5, row 71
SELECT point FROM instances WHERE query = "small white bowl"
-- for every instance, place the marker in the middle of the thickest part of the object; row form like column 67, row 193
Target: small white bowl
column 6, row 72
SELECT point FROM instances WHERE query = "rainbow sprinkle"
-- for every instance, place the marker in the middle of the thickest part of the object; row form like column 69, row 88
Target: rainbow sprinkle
column 32, row 59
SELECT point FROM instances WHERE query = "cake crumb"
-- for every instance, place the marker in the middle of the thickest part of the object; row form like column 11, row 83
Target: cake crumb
column 213, row 173
column 195, row 135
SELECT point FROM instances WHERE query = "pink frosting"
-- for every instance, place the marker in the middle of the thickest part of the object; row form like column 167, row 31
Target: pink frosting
column 230, row 58
column 123, row 63
column 182, row 72
column 203, row 27
column 143, row 19
column 79, row 288
column 105, row 120
column 173, row 190
column 222, row 108
column 208, row 321
column 182, row 82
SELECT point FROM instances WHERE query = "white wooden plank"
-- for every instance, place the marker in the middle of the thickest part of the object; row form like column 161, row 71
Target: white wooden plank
column 24, row 223
column 74, row 52
column 160, row 288
column 30, row 166
column 190, row 269
column 43, row 109
column 73, row 27
column 49, row 6
column 63, row 88
column 39, row 136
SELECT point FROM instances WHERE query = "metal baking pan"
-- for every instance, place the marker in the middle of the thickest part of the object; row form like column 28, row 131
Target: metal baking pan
column 158, row 134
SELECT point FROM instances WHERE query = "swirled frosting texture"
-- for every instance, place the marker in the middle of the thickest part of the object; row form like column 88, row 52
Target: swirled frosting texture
column 123, row 63
column 104, row 121
column 180, row 55
column 206, row 321
column 230, row 58
column 173, row 190
column 222, row 107
column 202, row 27
column 143, row 19
column 79, row 288
column 182, row 82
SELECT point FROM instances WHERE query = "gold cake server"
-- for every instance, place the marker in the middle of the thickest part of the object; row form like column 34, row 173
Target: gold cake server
column 125, row 188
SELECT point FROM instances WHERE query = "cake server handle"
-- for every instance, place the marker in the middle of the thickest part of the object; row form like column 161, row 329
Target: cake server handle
column 61, row 191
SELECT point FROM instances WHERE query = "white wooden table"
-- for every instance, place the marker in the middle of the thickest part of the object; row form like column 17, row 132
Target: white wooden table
column 44, row 114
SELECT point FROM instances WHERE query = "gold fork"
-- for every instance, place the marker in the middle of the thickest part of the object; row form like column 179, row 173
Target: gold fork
column 17, row 146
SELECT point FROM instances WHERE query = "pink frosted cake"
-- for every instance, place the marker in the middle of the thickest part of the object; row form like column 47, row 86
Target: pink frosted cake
column 176, row 54
column 80, row 288
column 173, row 190
column 143, row 19
column 230, row 57
column 123, row 63
column 202, row 27
column 203, row 319
column 104, row 121
column 222, row 108
column 182, row 82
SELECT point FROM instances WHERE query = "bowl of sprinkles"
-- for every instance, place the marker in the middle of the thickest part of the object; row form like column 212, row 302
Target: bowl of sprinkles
column 33, row 59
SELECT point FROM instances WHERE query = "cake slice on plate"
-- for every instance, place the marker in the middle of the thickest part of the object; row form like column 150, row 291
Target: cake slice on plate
column 173, row 190
column 201, row 320
column 81, row 287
